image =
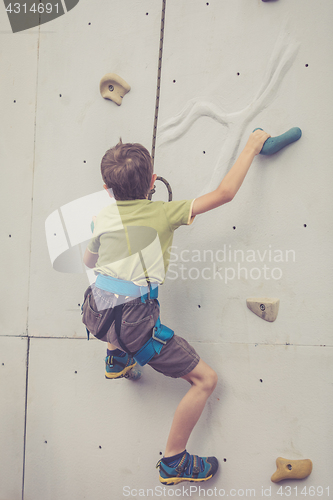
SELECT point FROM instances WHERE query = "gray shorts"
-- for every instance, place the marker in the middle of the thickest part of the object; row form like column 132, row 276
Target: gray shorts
column 176, row 359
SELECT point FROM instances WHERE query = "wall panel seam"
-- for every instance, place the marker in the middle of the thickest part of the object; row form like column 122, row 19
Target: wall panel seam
column 29, row 272
column 25, row 415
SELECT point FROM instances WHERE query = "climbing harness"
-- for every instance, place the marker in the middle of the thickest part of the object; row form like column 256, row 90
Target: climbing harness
column 160, row 333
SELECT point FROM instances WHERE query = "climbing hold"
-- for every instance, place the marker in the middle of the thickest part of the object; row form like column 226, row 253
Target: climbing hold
column 291, row 469
column 113, row 87
column 274, row 144
column 266, row 309
column 134, row 374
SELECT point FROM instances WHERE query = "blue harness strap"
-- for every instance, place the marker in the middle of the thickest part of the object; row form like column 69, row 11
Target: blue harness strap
column 126, row 288
column 161, row 333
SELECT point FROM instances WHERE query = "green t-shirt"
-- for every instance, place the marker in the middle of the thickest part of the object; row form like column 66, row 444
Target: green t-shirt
column 133, row 238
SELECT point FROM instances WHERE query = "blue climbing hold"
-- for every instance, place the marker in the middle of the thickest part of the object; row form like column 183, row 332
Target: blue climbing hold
column 274, row 144
column 92, row 226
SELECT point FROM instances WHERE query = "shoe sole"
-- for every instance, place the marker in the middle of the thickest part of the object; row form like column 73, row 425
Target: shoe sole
column 110, row 375
column 177, row 480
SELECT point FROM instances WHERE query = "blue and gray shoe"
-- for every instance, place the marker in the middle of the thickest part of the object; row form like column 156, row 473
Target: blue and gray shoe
column 118, row 366
column 189, row 468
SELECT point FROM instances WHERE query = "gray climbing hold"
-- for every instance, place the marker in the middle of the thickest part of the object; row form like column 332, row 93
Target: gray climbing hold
column 134, row 374
column 274, row 144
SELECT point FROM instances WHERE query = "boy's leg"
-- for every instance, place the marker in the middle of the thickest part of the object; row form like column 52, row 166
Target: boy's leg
column 203, row 381
column 117, row 362
column 178, row 465
column 112, row 347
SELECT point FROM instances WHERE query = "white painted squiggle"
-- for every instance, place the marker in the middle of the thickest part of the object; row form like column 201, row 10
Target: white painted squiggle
column 282, row 58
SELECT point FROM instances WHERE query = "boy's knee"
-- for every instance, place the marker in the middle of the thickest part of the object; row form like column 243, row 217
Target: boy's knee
column 203, row 376
column 210, row 380
column 214, row 379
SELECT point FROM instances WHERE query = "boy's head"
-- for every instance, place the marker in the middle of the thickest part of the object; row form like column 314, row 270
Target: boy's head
column 127, row 169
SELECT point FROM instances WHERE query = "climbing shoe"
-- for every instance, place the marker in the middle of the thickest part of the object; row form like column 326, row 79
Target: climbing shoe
column 188, row 468
column 118, row 366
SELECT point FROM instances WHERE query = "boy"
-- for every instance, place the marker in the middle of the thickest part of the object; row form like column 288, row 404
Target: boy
column 129, row 251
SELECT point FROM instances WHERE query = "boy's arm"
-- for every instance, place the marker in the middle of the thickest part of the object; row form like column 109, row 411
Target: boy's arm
column 233, row 180
column 90, row 258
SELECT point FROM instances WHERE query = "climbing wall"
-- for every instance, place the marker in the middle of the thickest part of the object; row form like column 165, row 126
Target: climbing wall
column 203, row 75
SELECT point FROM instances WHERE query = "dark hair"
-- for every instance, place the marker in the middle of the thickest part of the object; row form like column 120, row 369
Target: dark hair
column 127, row 169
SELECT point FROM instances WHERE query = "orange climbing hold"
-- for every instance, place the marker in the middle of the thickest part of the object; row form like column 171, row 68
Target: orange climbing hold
column 291, row 469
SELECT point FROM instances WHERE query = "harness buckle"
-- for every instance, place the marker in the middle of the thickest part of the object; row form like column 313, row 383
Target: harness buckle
column 155, row 329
